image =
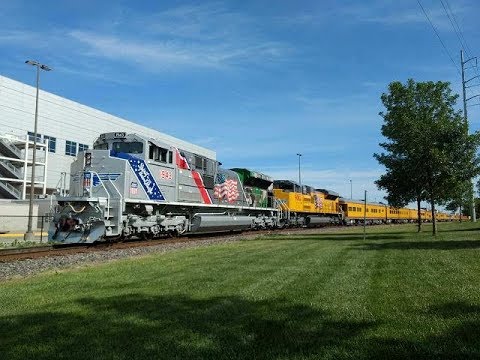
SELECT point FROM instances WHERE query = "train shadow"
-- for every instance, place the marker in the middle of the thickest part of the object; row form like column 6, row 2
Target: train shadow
column 421, row 245
column 453, row 310
column 139, row 326
column 336, row 237
column 459, row 230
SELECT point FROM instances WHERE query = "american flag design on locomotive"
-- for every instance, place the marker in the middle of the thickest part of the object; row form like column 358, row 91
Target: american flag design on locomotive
column 318, row 201
column 226, row 188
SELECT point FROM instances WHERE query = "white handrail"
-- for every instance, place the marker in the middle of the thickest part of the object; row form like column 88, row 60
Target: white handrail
column 92, row 173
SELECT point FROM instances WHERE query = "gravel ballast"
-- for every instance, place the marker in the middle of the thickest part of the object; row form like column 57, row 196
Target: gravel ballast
column 29, row 267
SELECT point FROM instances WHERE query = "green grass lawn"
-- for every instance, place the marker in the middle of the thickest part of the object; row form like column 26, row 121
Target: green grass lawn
column 398, row 294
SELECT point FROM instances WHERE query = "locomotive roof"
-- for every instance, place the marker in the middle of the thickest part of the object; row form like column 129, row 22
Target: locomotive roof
column 288, row 183
column 255, row 174
column 361, row 202
column 328, row 192
column 167, row 139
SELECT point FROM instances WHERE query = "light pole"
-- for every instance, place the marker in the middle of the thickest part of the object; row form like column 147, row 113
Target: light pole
column 351, row 192
column 29, row 234
column 299, row 174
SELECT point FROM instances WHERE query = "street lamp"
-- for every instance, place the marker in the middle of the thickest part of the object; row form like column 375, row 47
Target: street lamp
column 29, row 234
column 299, row 174
column 351, row 193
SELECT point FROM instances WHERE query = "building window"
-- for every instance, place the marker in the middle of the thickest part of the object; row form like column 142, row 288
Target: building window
column 70, row 148
column 52, row 143
column 31, row 137
column 82, row 147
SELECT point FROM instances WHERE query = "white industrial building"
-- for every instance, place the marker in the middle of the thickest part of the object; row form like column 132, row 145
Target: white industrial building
column 65, row 126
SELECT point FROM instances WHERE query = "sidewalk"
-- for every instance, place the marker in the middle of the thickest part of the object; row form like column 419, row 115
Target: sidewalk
column 10, row 237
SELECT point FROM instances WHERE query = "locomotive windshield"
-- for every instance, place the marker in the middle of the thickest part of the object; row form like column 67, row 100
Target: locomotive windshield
column 128, row 147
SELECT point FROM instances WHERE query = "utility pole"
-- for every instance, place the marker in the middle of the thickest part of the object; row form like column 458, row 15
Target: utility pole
column 465, row 116
column 299, row 173
column 365, row 218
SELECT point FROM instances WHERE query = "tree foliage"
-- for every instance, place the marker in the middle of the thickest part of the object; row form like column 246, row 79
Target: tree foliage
column 428, row 152
column 462, row 199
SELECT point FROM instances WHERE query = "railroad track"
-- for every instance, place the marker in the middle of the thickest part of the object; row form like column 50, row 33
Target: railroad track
column 9, row 255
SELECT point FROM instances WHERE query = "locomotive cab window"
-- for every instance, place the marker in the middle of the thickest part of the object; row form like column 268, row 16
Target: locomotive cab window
column 200, row 162
column 134, row 147
column 160, row 154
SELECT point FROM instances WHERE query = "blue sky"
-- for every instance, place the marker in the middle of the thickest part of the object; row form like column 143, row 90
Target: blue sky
column 256, row 81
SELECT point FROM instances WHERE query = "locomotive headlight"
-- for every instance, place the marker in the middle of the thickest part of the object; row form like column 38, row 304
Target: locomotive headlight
column 88, row 159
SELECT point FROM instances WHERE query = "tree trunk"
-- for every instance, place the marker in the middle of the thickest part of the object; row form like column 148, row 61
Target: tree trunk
column 419, row 215
column 434, row 218
column 460, row 213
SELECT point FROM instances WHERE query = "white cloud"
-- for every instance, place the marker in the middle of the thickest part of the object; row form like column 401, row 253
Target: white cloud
column 388, row 13
column 158, row 55
column 196, row 36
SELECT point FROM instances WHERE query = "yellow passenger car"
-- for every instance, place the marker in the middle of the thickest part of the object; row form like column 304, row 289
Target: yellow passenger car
column 355, row 211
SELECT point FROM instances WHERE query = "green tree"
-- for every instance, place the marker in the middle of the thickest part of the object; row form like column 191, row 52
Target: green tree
column 400, row 193
column 428, row 152
column 462, row 199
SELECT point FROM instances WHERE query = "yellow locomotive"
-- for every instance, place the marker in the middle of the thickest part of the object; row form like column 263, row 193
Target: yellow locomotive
column 306, row 205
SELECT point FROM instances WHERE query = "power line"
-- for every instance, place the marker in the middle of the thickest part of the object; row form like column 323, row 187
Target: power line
column 462, row 44
column 439, row 38
column 467, row 48
column 458, row 31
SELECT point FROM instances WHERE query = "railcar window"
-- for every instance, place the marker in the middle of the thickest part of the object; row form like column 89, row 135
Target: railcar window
column 128, row 147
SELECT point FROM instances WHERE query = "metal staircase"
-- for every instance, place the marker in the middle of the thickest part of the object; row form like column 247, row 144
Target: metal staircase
column 9, row 191
column 7, row 169
column 10, row 153
column 8, row 148
column 15, row 160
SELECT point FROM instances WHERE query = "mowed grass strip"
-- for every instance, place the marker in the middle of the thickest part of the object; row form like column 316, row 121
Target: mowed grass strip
column 331, row 295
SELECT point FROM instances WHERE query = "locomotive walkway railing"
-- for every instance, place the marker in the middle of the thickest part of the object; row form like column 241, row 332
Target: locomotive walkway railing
column 282, row 205
column 90, row 186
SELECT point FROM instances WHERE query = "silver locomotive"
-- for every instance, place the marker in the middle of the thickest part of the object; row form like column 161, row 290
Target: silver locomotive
column 129, row 185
